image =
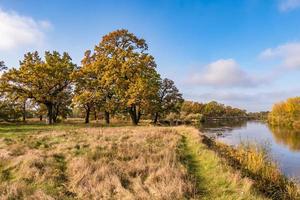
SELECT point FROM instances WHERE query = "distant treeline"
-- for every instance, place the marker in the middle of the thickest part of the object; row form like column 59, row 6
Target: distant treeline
column 212, row 109
column 286, row 113
column 263, row 115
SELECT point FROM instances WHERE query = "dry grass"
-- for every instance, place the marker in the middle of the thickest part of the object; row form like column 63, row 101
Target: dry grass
column 254, row 162
column 119, row 163
column 94, row 163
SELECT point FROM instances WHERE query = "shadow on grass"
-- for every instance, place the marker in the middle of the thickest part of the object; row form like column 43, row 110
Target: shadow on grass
column 188, row 158
column 9, row 129
column 19, row 129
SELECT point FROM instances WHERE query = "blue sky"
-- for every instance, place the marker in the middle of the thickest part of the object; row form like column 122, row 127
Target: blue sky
column 245, row 53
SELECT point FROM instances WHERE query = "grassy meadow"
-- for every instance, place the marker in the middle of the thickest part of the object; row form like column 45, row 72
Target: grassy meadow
column 77, row 161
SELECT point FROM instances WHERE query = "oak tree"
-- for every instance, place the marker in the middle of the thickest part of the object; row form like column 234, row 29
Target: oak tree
column 44, row 81
column 128, row 71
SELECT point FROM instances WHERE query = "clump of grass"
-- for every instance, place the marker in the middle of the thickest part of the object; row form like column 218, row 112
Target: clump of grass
column 39, row 143
column 6, row 174
column 254, row 162
column 17, row 150
column 81, row 149
column 129, row 163
column 8, row 141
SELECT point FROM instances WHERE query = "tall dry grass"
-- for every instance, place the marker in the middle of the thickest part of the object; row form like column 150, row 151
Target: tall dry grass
column 255, row 162
column 94, row 163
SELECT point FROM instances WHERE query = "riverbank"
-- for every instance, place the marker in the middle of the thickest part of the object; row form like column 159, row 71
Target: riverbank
column 253, row 161
column 214, row 179
column 250, row 161
column 119, row 163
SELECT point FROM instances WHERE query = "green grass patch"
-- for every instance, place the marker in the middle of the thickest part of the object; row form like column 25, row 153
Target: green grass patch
column 213, row 179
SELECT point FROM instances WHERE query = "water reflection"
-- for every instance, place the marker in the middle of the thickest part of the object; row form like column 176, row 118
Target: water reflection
column 219, row 127
column 224, row 124
column 286, row 136
column 284, row 143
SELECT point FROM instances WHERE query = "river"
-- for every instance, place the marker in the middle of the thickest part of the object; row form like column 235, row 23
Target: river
column 283, row 144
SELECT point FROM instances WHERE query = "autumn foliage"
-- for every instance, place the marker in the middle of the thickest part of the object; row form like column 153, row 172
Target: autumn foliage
column 286, row 113
column 118, row 77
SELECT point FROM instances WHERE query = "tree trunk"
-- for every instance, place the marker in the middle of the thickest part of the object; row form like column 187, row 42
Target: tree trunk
column 155, row 118
column 41, row 117
column 24, row 111
column 50, row 113
column 106, row 116
column 135, row 115
column 87, row 114
column 133, row 118
column 55, row 113
column 138, row 116
column 95, row 115
column 54, row 118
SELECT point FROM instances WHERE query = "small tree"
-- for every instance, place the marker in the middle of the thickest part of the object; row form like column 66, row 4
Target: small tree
column 40, row 111
column 89, row 91
column 85, row 100
column 169, row 99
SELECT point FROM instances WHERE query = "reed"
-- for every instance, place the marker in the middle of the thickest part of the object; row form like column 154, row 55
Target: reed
column 254, row 161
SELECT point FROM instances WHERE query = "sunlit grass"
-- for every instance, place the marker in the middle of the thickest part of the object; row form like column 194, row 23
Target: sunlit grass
column 214, row 180
column 254, row 161
column 33, row 126
column 94, row 163
column 78, row 161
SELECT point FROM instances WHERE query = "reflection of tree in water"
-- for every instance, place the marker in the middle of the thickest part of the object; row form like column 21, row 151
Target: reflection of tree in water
column 287, row 136
column 222, row 125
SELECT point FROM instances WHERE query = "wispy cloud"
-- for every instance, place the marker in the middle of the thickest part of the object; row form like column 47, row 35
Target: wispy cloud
column 17, row 30
column 288, row 54
column 287, row 5
column 223, row 73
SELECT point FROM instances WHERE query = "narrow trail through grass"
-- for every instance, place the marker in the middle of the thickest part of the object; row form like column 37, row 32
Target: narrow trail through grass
column 214, row 180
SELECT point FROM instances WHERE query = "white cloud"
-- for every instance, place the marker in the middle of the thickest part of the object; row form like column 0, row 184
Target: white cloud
column 223, row 73
column 287, row 5
column 17, row 30
column 288, row 54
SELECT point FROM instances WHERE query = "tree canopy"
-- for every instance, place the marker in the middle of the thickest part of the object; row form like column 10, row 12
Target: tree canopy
column 44, row 81
column 286, row 112
column 2, row 66
column 129, row 72
column 169, row 99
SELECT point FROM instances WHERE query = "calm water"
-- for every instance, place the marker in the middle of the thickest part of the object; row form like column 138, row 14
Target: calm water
column 284, row 144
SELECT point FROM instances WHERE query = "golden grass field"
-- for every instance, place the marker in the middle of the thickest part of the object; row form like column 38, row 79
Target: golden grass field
column 116, row 163
column 94, row 163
